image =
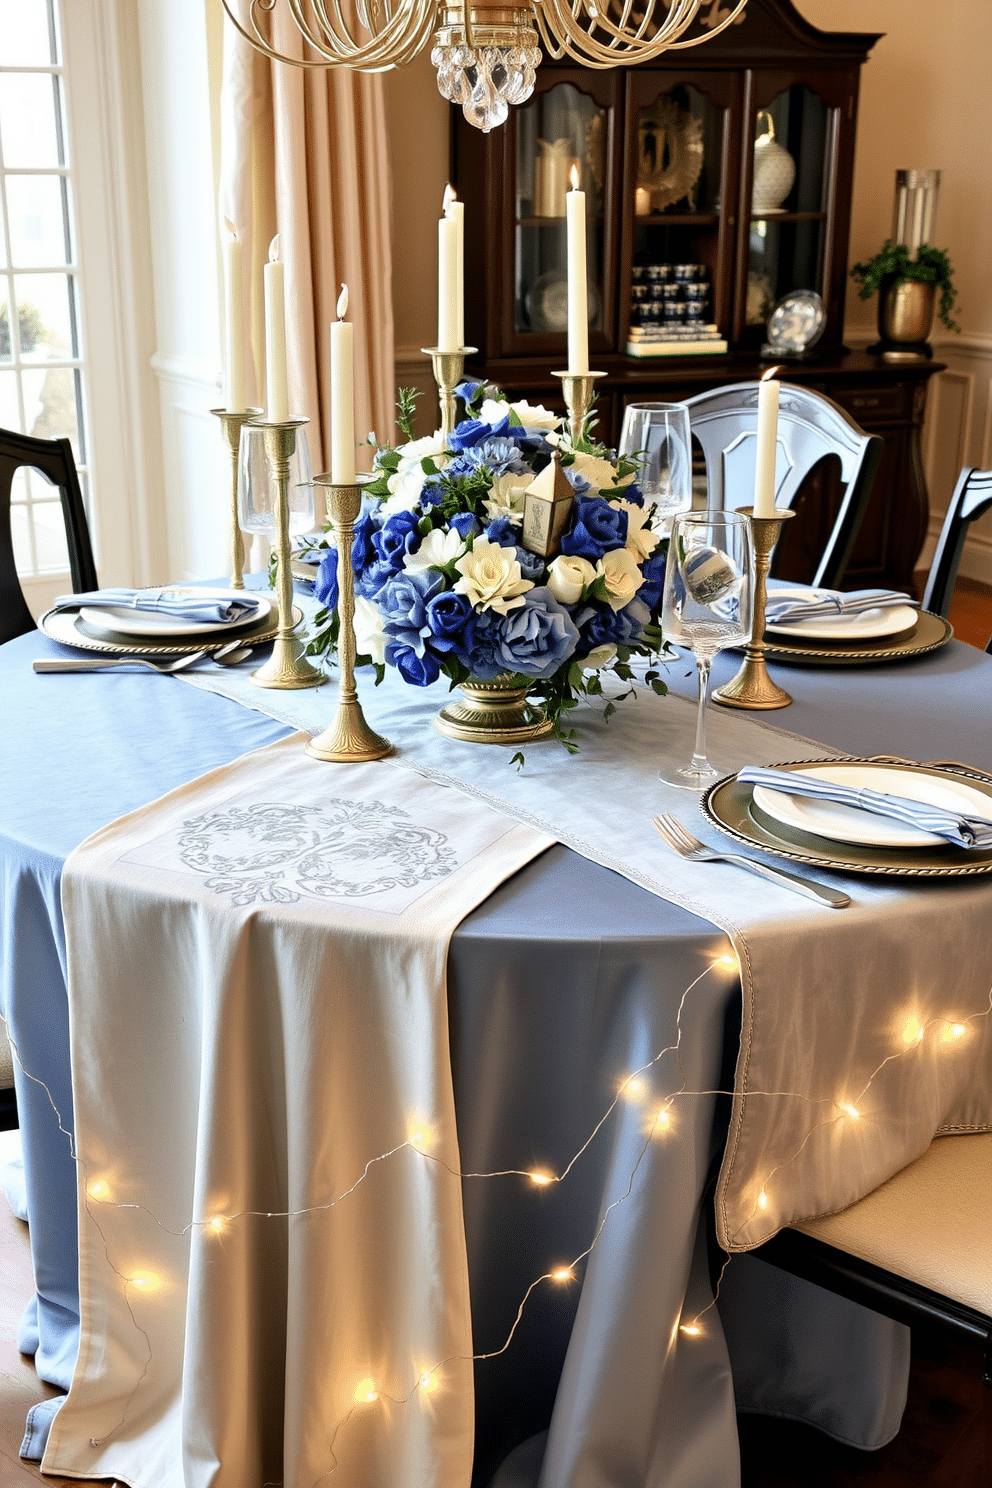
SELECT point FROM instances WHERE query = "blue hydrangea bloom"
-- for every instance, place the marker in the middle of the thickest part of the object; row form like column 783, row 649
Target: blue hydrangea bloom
column 403, row 606
column 597, row 528
column 531, row 566
column 537, row 636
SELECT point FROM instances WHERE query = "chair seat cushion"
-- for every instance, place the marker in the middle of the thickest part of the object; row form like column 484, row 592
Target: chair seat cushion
column 931, row 1223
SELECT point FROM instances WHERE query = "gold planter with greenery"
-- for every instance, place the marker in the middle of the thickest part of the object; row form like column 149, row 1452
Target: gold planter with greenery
column 907, row 292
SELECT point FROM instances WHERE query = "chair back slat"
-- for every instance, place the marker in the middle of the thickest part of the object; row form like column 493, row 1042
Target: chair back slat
column 971, row 499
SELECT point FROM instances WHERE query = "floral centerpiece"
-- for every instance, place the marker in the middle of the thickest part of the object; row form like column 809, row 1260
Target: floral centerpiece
column 444, row 583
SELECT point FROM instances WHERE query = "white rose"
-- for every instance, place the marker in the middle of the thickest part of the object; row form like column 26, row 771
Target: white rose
column 491, row 577
column 535, row 415
column 568, row 576
column 622, row 575
column 407, row 481
column 597, row 659
column 370, row 638
column 506, row 499
column 438, row 549
column 599, row 473
column 492, row 410
column 641, row 539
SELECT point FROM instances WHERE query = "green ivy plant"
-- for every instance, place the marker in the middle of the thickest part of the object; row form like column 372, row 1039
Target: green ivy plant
column 892, row 262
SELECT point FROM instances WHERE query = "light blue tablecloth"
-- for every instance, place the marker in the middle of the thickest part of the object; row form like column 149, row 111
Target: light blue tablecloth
column 562, row 981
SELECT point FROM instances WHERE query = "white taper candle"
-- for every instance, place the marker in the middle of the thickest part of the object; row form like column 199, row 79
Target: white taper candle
column 578, row 296
column 276, row 397
column 342, row 395
column 767, row 445
column 455, row 210
column 447, row 285
column 234, row 345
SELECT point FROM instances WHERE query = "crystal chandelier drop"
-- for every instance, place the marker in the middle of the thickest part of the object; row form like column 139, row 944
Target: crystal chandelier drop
column 485, row 52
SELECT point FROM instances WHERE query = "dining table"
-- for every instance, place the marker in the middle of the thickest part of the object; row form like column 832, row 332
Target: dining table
column 568, row 987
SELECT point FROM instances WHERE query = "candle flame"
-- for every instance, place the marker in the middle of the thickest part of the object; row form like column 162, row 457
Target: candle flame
column 573, row 176
column 274, row 250
column 343, row 302
column 230, row 228
column 772, row 372
column 450, row 195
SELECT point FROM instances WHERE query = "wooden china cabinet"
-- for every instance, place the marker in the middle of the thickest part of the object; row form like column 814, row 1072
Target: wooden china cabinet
column 718, row 180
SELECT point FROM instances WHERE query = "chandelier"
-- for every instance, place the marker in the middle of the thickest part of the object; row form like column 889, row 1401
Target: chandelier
column 485, row 53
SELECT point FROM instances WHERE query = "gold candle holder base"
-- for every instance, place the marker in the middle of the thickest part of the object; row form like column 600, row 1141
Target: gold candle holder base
column 287, row 667
column 349, row 737
column 752, row 687
column 448, row 367
column 231, row 424
column 577, row 391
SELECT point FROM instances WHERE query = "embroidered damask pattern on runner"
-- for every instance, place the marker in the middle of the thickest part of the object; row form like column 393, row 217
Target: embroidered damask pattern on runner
column 277, row 854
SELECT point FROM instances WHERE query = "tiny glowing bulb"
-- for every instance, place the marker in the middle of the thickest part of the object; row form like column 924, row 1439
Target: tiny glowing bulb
column 762, row 1200
column 366, row 1392
column 851, row 1110
column 663, row 1120
column 563, row 1273
column 145, row 1281
column 633, row 1087
column 419, row 1134
column 726, row 963
column 217, row 1224
column 98, row 1190
column 957, row 1030
column 428, row 1381
column 692, row 1329
column 540, row 1178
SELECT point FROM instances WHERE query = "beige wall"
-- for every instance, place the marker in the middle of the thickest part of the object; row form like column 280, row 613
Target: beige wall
column 925, row 101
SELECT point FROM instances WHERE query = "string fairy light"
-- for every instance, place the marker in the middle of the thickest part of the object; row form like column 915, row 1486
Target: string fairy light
column 420, row 1138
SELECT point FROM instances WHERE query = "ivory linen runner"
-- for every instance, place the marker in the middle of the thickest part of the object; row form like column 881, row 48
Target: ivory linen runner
column 256, row 970
column 834, row 1001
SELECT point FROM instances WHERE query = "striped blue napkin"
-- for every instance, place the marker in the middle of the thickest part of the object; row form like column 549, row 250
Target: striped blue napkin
column 203, row 609
column 818, row 604
column 961, row 829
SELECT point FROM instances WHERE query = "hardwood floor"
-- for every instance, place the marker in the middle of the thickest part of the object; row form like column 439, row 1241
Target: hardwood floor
column 971, row 612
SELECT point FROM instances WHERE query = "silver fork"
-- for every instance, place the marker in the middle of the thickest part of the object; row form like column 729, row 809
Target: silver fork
column 688, row 846
column 76, row 664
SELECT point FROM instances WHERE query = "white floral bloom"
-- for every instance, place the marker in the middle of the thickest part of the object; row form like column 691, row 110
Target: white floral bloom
column 438, row 549
column 491, row 577
column 641, row 536
column 506, row 499
column 599, row 658
column 535, row 415
column 492, row 410
column 623, row 577
column 599, row 473
column 370, row 638
column 568, row 576
column 407, row 481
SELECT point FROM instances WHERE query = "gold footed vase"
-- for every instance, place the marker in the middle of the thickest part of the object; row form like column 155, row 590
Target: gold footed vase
column 494, row 712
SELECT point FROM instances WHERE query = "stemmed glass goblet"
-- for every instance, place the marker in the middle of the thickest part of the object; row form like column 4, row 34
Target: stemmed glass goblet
column 656, row 436
column 257, row 489
column 706, row 607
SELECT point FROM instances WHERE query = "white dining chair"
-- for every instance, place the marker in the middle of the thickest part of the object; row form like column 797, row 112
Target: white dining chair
column 971, row 499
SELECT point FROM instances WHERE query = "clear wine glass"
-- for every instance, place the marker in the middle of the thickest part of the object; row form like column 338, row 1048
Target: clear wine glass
column 708, row 596
column 257, row 490
column 656, row 436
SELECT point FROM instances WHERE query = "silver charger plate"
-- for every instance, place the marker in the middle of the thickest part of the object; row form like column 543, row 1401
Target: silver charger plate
column 729, row 806
column 66, row 627
column 928, row 634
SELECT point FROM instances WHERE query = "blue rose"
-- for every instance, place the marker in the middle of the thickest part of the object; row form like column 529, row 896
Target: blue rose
column 465, row 525
column 372, row 579
column 531, row 565
column 451, row 622
column 654, row 579
column 397, row 537
column 403, row 606
column 467, row 389
column 484, row 658
column 368, row 524
column 537, row 636
column 597, row 528
column 633, row 493
column 473, row 431
column 578, row 482
column 601, row 625
column 502, row 532
column 325, row 585
column 421, row 671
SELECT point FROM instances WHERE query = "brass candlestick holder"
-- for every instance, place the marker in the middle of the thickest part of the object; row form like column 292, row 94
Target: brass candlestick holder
column 287, row 666
column 577, row 390
column 349, row 736
column 231, row 424
column 752, row 687
column 448, row 367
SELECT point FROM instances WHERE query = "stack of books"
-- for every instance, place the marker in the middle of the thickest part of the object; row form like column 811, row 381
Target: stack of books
column 675, row 340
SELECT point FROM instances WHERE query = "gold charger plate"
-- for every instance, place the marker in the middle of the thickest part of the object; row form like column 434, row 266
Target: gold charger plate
column 728, row 805
column 928, row 634
column 64, row 626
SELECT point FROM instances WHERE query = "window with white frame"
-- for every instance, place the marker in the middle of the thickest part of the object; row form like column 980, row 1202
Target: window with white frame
column 42, row 371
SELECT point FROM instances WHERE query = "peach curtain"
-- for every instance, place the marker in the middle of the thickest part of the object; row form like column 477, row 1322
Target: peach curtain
column 304, row 154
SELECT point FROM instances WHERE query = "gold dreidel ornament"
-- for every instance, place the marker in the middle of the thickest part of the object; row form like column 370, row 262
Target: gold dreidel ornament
column 577, row 389
column 752, row 687
column 287, row 666
column 448, row 367
column 349, row 736
column 231, row 425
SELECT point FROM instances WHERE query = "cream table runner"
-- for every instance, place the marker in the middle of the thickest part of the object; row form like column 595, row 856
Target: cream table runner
column 272, row 1256
column 850, row 1060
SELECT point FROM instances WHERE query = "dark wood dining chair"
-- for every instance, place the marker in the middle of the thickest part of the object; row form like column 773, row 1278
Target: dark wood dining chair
column 53, row 459
column 918, row 1249
column 972, row 497
column 811, row 430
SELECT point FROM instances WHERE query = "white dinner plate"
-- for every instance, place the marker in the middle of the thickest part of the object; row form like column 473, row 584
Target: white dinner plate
column 847, row 824
column 866, row 626
column 118, row 620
